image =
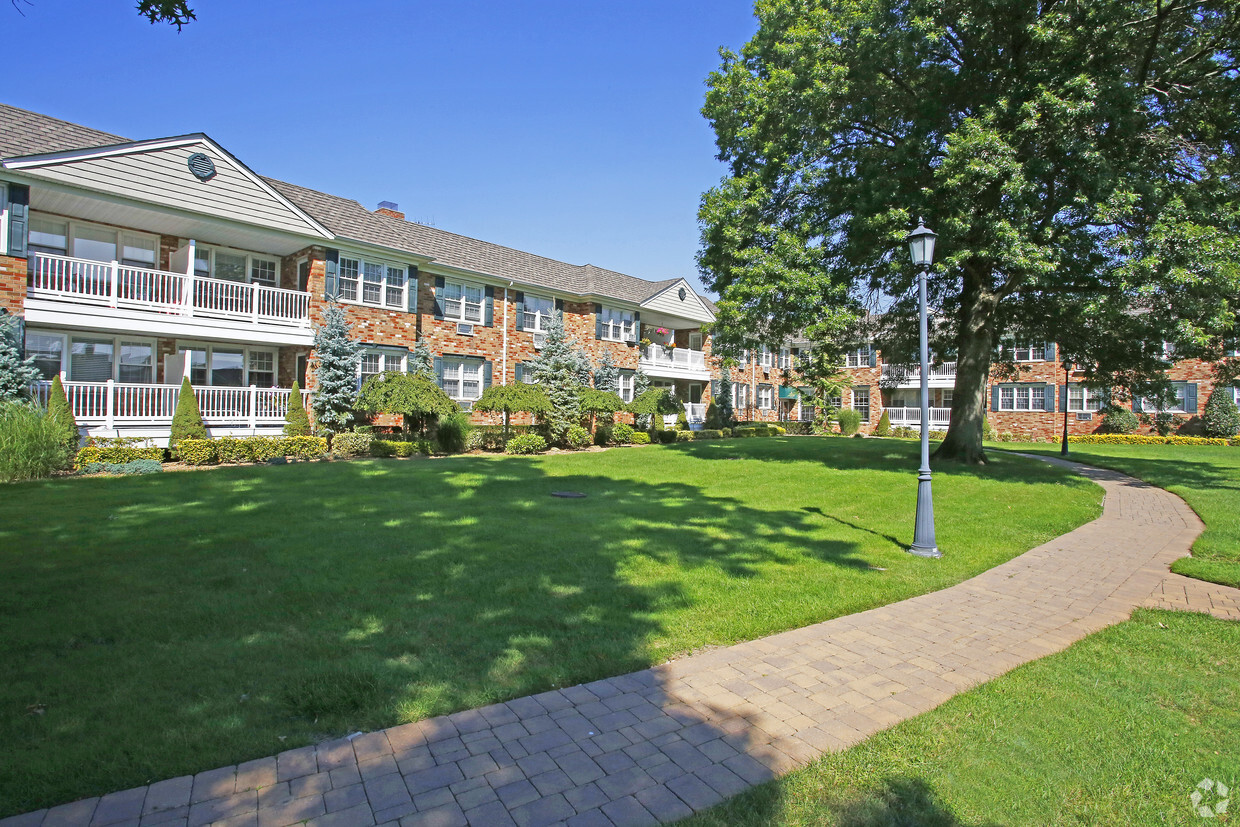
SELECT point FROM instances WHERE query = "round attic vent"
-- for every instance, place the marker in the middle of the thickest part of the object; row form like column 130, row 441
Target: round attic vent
column 202, row 166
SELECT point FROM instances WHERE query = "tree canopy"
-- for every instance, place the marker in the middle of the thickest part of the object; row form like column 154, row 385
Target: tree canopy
column 1077, row 160
column 520, row 397
column 415, row 396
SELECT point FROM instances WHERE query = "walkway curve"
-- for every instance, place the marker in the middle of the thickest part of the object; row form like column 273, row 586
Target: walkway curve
column 657, row 745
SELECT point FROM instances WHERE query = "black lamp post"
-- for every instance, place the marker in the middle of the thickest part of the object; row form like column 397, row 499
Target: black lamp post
column 1067, row 380
column 921, row 248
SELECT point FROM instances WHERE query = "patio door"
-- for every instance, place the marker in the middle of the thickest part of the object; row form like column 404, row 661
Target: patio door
column 695, row 341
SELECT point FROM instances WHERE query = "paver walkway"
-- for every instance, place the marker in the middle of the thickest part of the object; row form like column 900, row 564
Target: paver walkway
column 659, row 744
column 1184, row 594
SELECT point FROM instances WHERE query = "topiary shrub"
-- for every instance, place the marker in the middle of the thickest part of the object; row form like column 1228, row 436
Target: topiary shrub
column 187, row 418
column 60, row 412
column 883, row 428
column 708, row 433
column 640, row 438
column 1221, row 418
column 296, row 420
column 231, row 450
column 683, row 436
column 391, row 448
column 31, row 443
column 263, row 448
column 452, row 432
column 1117, row 420
column 682, row 421
column 526, row 444
column 198, row 451
column 622, row 433
column 850, row 421
column 351, row 444
column 303, row 447
column 578, row 437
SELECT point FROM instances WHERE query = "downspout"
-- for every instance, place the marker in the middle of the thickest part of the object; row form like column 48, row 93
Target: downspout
column 504, row 375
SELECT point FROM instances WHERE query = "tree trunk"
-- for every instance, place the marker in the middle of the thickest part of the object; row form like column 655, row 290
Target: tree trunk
column 975, row 344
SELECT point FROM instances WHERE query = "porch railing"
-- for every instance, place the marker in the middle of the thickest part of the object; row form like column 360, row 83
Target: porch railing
column 912, row 373
column 912, row 416
column 677, row 357
column 111, row 284
column 695, row 412
column 121, row 403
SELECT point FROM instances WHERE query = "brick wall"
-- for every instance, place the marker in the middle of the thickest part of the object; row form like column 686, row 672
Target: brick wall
column 13, row 276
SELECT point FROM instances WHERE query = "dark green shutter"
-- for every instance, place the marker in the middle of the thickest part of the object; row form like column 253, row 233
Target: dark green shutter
column 488, row 306
column 994, row 398
column 1048, row 396
column 873, row 357
column 1190, row 397
column 1050, row 351
column 1063, row 398
column 331, row 278
column 438, row 308
column 559, row 305
column 714, row 388
column 519, row 373
column 637, row 329
column 486, row 374
column 439, row 371
column 598, row 321
column 411, row 285
column 1136, row 404
column 19, row 219
column 520, row 311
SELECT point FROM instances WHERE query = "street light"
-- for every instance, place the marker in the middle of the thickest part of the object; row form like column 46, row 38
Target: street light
column 1067, row 380
column 921, row 248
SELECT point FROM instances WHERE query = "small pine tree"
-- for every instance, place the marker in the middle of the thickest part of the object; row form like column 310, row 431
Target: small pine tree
column 883, row 428
column 59, row 411
column 724, row 399
column 1221, row 417
column 187, row 418
column 296, row 420
column 420, row 360
column 558, row 368
column 16, row 374
column 335, row 374
column 607, row 377
column 641, row 384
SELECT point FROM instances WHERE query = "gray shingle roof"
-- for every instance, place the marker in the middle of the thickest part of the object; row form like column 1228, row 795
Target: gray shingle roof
column 30, row 133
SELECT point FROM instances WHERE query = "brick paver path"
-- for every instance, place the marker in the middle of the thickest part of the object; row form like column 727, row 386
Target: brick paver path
column 659, row 744
column 1185, row 594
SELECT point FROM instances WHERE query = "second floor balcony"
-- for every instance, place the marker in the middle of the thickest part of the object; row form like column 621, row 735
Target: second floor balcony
column 66, row 284
column 674, row 362
column 942, row 375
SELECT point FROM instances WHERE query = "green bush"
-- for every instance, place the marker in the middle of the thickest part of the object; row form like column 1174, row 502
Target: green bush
column 392, row 448
column 883, row 428
column 666, row 437
column 296, row 420
column 850, row 421
column 303, row 447
column 116, row 451
column 708, row 433
column 682, row 421
column 578, row 437
column 353, row 444
column 526, row 444
column 187, row 418
column 684, row 436
column 488, row 438
column 453, row 432
column 1117, row 420
column 727, row 433
column 137, row 466
column 640, row 438
column 1221, row 418
column 799, row 428
column 622, row 433
column 1165, row 423
column 935, row 435
column 231, row 450
column 198, row 451
column 988, row 431
column 32, row 443
column 60, row 412
column 744, row 433
column 603, row 434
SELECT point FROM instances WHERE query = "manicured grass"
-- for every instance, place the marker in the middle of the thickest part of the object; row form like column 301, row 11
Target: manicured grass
column 1117, row 729
column 1207, row 477
column 163, row 625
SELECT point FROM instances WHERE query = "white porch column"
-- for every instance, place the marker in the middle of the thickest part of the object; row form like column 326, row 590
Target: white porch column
column 115, row 280
column 109, row 402
column 253, row 409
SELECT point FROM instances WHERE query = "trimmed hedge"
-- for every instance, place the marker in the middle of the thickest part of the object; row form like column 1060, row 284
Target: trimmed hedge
column 398, row 448
column 1144, row 439
column 116, row 451
column 251, row 449
column 304, row 447
column 640, row 438
column 137, row 466
column 684, row 436
column 526, row 444
column 198, row 451
column 666, row 437
column 708, row 433
column 351, row 444
column 799, row 428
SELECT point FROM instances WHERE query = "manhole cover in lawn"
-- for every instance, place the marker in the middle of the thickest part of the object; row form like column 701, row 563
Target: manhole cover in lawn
column 568, row 495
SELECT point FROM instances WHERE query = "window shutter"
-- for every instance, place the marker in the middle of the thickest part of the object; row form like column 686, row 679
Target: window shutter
column 1190, row 397
column 559, row 305
column 637, row 329
column 411, row 288
column 873, row 358
column 331, row 280
column 486, row 374
column 994, row 397
column 1063, row 398
column 439, row 371
column 439, row 309
column 488, row 306
column 519, row 373
column 1049, row 404
column 714, row 388
column 1136, row 404
column 1050, row 351
column 520, row 313
column 19, row 219
column 598, row 321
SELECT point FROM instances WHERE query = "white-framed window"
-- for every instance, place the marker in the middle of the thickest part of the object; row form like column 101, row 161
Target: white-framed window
column 616, row 325
column 80, row 239
column 235, row 265
column 836, row 402
column 527, row 375
column 785, row 358
column 765, row 357
column 462, row 379
column 1235, row 393
column 372, row 281
column 859, row 358
column 740, row 396
column 861, row 401
column 628, row 382
column 766, row 397
column 1022, row 398
column 1177, row 406
column 461, row 302
column 93, row 358
column 1082, row 399
column 230, row 366
column 536, row 313
column 1034, row 352
column 47, row 350
column 375, row 361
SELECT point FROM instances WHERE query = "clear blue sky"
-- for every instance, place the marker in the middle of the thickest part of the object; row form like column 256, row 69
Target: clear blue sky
column 569, row 129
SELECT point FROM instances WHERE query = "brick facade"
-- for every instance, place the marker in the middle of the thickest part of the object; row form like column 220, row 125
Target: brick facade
column 13, row 275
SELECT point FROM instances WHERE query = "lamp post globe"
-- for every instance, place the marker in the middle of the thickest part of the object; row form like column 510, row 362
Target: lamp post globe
column 921, row 249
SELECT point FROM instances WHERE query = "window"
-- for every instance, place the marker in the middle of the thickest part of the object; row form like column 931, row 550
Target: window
column 785, row 359
column 766, row 397
column 1178, row 406
column 616, row 325
column 765, row 357
column 462, row 302
column 229, row 366
column 1235, row 393
column 1029, row 353
column 47, row 350
column 741, row 396
column 137, row 363
column 627, row 383
column 1082, row 399
column 263, row 271
column 262, row 368
column 90, row 241
column 526, row 374
column 859, row 358
column 375, row 362
column 835, row 402
column 861, row 402
column 97, row 358
column 1022, row 398
column 381, row 284
column 536, row 313
column 234, row 265
column 90, row 360
column 462, row 380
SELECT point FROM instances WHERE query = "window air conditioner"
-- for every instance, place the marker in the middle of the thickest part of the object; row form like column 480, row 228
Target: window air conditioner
column 540, row 340
column 464, row 329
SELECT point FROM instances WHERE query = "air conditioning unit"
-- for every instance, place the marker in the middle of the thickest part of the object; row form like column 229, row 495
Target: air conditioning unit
column 1084, row 417
column 464, row 329
column 467, row 405
column 540, row 341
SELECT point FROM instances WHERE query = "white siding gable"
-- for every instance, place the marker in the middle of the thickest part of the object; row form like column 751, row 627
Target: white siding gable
column 668, row 302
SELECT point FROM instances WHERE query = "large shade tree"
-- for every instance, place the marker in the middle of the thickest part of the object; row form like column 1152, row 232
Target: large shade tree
column 1077, row 159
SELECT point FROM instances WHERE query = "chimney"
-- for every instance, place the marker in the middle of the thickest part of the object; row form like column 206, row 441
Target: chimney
column 391, row 209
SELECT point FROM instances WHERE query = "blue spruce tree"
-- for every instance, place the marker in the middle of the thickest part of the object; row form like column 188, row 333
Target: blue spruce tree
column 335, row 373
column 607, row 377
column 16, row 374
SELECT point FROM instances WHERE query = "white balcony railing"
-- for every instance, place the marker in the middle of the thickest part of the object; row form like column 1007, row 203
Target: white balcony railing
column 912, row 416
column 110, row 284
column 695, row 412
column 912, row 373
column 677, row 358
column 111, row 403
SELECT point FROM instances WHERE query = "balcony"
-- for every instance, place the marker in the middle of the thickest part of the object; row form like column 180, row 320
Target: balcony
column 941, row 375
column 167, row 302
column 911, row 417
column 674, row 362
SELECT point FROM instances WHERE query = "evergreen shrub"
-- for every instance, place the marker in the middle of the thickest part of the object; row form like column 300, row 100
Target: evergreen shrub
column 622, row 433
column 1221, row 418
column 198, row 451
column 578, row 437
column 1117, row 420
column 883, row 428
column 187, row 418
column 296, row 420
column 351, row 444
column 526, row 444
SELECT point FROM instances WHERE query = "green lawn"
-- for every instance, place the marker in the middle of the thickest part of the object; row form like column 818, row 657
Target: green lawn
column 163, row 625
column 1117, row 729
column 1207, row 477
